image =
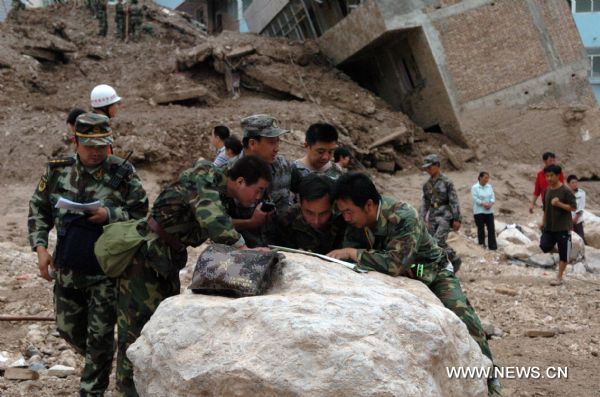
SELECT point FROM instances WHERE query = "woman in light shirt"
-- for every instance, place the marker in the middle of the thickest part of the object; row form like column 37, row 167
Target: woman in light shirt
column 482, row 194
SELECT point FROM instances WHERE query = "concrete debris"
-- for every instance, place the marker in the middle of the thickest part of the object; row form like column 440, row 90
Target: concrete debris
column 14, row 373
column 61, row 371
column 386, row 166
column 195, row 93
column 453, row 158
column 186, row 59
column 399, row 134
column 541, row 333
column 240, row 52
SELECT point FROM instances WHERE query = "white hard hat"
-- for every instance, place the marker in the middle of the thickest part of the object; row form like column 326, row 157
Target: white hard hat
column 103, row 95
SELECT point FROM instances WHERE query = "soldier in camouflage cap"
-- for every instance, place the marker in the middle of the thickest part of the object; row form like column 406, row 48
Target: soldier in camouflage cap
column 311, row 224
column 187, row 213
column 440, row 210
column 84, row 297
column 261, row 138
column 389, row 237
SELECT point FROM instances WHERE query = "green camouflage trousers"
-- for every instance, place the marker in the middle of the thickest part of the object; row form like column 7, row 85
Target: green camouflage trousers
column 102, row 21
column 447, row 288
column 85, row 318
column 141, row 289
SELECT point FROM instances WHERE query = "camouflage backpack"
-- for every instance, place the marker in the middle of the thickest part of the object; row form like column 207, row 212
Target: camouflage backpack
column 223, row 270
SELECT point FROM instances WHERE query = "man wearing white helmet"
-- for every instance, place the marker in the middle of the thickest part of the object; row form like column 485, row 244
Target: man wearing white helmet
column 104, row 100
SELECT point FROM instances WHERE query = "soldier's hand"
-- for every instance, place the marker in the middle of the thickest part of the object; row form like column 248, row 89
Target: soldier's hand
column 44, row 262
column 344, row 253
column 456, row 226
column 259, row 217
column 99, row 215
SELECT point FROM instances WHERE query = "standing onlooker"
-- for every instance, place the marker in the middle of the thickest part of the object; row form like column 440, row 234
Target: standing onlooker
column 541, row 184
column 220, row 133
column 577, row 215
column 482, row 194
column 341, row 158
column 559, row 201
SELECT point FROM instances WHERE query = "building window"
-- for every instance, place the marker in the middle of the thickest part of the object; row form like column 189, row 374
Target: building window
column 595, row 67
column 586, row 6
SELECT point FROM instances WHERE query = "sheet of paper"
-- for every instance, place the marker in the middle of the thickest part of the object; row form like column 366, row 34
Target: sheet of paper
column 75, row 206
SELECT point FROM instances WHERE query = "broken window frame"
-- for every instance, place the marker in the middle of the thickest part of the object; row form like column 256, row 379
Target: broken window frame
column 585, row 6
column 594, row 74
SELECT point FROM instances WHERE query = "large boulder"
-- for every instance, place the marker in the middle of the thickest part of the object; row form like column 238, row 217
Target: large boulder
column 592, row 233
column 513, row 235
column 592, row 260
column 322, row 330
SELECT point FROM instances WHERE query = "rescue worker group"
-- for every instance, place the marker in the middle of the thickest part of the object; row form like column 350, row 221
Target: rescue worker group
column 254, row 199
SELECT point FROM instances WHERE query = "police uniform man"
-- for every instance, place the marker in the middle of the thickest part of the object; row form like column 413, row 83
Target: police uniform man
column 187, row 213
column 312, row 225
column 440, row 210
column 84, row 297
column 261, row 138
column 389, row 237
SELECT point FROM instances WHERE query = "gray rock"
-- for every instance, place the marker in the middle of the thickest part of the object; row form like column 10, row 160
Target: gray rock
column 592, row 260
column 61, row 371
column 322, row 330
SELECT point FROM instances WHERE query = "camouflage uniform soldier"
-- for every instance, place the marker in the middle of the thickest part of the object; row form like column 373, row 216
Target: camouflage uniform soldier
column 136, row 19
column 311, row 224
column 261, row 139
column 84, row 298
column 17, row 5
column 388, row 237
column 320, row 143
column 120, row 20
column 440, row 210
column 101, row 12
column 187, row 213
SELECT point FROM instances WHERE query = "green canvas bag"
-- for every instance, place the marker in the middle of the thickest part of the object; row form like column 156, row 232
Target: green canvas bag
column 117, row 246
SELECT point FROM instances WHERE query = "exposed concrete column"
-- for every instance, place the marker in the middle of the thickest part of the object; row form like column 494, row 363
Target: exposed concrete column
column 545, row 39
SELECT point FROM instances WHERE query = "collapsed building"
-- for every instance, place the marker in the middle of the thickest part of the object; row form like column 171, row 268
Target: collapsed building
column 463, row 68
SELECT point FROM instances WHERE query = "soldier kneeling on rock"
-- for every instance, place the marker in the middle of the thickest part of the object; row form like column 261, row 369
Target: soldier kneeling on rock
column 388, row 236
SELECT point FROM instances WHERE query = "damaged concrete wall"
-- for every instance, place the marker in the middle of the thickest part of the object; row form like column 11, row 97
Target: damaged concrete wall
column 472, row 54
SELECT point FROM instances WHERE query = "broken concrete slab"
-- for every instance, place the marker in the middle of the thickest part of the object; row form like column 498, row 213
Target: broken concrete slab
column 253, row 75
column 198, row 92
column 17, row 373
column 386, row 166
column 395, row 135
column 241, row 51
column 453, row 158
column 186, row 59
